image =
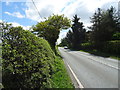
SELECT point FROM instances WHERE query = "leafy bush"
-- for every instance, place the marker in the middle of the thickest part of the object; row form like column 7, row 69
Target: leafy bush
column 112, row 47
column 88, row 46
column 27, row 60
column 116, row 36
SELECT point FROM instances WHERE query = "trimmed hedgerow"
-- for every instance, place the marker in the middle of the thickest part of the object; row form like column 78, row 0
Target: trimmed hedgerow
column 112, row 47
column 27, row 61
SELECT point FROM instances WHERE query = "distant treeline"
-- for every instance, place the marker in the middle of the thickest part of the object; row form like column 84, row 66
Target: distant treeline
column 102, row 34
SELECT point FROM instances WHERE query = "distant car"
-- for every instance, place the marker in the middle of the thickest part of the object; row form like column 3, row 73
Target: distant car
column 65, row 47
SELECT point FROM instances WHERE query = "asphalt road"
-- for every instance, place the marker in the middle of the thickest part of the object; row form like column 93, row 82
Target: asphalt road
column 92, row 71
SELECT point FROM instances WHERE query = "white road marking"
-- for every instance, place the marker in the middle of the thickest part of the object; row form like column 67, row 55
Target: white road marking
column 79, row 83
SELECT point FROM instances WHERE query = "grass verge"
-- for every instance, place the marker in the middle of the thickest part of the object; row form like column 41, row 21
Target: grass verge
column 103, row 54
column 1, row 86
column 61, row 78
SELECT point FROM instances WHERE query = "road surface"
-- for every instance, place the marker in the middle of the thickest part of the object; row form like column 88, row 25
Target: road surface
column 92, row 71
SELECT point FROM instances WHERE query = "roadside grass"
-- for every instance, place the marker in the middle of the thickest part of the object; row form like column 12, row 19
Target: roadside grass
column 1, row 86
column 103, row 54
column 61, row 78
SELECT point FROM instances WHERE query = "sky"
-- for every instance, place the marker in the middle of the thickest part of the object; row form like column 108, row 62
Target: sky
column 23, row 12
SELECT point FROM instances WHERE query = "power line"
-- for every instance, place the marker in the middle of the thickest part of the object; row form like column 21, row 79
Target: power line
column 36, row 8
column 37, row 11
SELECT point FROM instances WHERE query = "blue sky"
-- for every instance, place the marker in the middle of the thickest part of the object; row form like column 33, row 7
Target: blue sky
column 23, row 12
column 9, row 13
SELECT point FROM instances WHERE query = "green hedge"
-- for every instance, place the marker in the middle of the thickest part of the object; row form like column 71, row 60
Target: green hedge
column 112, row 47
column 87, row 46
column 116, row 36
column 27, row 60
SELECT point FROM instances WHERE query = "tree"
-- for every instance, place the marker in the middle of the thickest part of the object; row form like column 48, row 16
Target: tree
column 77, row 35
column 88, row 36
column 50, row 28
column 104, row 26
column 96, row 27
column 27, row 61
column 109, row 25
column 63, row 42
column 69, row 39
column 116, row 36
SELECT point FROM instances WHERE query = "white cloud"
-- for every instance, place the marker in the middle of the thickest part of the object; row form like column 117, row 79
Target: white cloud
column 45, row 7
column 15, row 24
column 1, row 21
column 84, row 8
column 7, row 3
column 15, row 14
column 8, row 13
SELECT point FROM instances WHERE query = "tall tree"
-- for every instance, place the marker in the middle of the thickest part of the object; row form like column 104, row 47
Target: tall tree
column 63, row 42
column 69, row 39
column 104, row 25
column 78, row 32
column 109, row 24
column 50, row 28
column 96, row 27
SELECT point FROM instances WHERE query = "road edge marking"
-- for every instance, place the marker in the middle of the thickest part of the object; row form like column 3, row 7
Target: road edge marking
column 79, row 83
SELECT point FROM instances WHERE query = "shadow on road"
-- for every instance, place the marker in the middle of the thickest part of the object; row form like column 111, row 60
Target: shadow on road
column 97, row 53
column 102, row 54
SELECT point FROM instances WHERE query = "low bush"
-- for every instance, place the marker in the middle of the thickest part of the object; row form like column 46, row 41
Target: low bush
column 116, row 36
column 87, row 46
column 27, row 61
column 112, row 47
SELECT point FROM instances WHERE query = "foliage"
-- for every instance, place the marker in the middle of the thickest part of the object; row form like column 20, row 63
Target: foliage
column 78, row 32
column 77, row 36
column 88, row 36
column 104, row 29
column 50, row 28
column 63, row 42
column 60, row 78
column 112, row 47
column 1, row 65
column 27, row 60
column 87, row 46
column 69, row 38
column 116, row 36
column 102, row 53
column 105, row 24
